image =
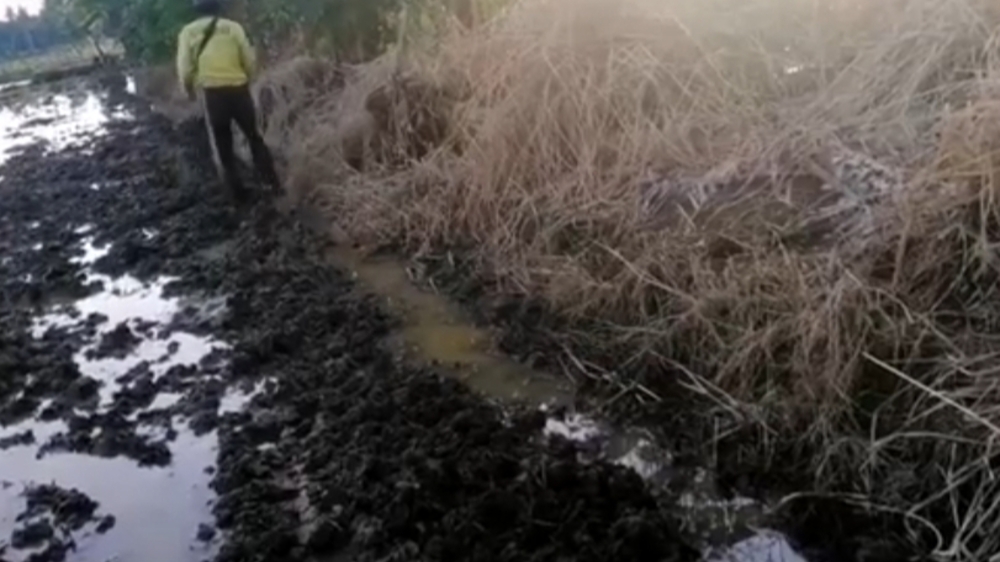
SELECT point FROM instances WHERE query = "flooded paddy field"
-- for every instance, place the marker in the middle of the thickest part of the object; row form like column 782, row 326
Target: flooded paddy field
column 181, row 381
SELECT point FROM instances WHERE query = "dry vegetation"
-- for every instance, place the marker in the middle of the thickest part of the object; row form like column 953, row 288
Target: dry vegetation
column 795, row 202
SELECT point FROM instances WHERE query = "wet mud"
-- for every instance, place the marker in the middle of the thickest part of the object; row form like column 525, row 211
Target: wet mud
column 93, row 456
column 185, row 381
column 729, row 495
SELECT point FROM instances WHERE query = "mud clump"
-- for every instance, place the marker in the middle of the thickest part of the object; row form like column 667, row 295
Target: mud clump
column 105, row 524
column 17, row 440
column 52, row 514
column 117, row 343
column 32, row 369
column 205, row 533
column 31, row 535
column 399, row 464
column 116, row 438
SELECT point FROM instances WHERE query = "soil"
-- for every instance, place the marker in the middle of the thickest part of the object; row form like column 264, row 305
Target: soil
column 343, row 452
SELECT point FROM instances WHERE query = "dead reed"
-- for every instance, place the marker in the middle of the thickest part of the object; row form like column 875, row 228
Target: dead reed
column 794, row 200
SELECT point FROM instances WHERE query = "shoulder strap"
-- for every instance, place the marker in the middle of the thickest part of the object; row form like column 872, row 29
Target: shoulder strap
column 209, row 32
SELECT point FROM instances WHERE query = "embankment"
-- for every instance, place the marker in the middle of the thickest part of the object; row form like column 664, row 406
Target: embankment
column 766, row 227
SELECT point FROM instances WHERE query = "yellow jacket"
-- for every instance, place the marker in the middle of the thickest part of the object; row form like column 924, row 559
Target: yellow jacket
column 228, row 59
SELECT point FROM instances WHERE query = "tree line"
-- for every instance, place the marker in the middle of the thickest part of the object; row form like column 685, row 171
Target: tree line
column 347, row 29
column 22, row 34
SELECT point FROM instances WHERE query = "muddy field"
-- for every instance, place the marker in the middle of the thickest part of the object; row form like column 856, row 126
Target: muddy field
column 182, row 381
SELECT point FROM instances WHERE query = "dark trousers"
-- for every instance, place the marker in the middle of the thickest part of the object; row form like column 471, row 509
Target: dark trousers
column 224, row 106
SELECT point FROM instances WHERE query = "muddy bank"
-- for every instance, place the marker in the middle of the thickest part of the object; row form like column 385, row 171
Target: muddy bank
column 613, row 383
column 154, row 340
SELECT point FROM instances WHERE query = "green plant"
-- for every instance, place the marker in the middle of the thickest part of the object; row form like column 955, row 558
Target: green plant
column 146, row 28
column 347, row 29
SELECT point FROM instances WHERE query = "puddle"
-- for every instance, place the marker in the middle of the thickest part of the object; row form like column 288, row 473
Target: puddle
column 766, row 546
column 726, row 529
column 157, row 510
column 435, row 330
column 67, row 119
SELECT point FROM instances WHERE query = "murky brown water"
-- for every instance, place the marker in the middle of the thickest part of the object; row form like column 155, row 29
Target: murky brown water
column 436, row 330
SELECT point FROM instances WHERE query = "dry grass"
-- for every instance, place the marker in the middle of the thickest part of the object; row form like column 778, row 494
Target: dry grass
column 796, row 201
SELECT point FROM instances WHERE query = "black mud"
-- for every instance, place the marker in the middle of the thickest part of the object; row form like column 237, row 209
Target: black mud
column 341, row 451
column 51, row 517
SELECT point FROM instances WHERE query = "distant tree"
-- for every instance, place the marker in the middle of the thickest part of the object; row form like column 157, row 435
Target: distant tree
column 349, row 29
column 146, row 28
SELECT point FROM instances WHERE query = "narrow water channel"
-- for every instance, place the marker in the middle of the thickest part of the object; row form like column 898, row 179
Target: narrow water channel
column 436, row 330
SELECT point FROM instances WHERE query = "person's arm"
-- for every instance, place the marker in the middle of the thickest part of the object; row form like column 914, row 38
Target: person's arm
column 185, row 66
column 247, row 57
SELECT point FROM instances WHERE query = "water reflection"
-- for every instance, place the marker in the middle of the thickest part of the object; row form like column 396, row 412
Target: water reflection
column 66, row 119
column 157, row 510
column 715, row 523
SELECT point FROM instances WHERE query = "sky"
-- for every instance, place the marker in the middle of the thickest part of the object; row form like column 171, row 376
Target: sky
column 32, row 6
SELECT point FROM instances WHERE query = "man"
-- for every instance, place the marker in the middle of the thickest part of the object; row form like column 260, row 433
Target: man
column 213, row 54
